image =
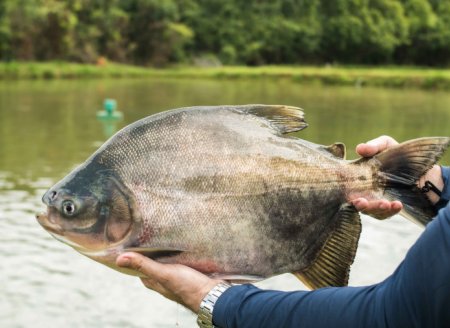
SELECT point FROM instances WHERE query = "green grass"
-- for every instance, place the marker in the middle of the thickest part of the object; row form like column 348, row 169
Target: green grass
column 395, row 77
column 63, row 70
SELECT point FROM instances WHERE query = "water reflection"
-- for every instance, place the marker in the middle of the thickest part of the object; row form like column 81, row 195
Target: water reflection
column 109, row 117
column 47, row 128
column 109, row 126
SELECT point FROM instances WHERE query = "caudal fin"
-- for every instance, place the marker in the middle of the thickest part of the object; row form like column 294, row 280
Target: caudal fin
column 400, row 169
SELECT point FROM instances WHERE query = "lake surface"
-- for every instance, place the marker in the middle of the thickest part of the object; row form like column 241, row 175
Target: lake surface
column 49, row 127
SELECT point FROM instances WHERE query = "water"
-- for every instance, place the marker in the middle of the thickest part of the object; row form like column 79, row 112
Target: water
column 48, row 127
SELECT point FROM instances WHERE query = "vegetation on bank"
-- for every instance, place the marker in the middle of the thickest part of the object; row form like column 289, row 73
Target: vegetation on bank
column 63, row 70
column 232, row 32
column 398, row 77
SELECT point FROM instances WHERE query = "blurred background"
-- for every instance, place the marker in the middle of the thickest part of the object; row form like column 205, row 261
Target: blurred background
column 358, row 68
column 157, row 32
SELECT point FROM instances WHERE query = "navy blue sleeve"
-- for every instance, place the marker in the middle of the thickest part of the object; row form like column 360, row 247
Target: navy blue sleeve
column 417, row 294
column 445, row 196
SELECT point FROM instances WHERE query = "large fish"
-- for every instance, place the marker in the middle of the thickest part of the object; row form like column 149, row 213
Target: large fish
column 226, row 191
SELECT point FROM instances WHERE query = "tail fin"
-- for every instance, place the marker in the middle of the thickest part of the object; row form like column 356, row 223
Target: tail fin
column 400, row 169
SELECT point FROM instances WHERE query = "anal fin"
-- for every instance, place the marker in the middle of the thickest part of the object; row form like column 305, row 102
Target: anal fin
column 238, row 279
column 332, row 265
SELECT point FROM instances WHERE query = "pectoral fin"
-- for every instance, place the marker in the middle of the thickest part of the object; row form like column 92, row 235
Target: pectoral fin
column 332, row 265
column 155, row 253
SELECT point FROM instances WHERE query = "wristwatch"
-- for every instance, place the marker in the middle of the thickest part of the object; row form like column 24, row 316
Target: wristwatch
column 204, row 319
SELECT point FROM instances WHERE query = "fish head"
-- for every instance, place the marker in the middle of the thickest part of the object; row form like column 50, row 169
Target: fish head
column 93, row 212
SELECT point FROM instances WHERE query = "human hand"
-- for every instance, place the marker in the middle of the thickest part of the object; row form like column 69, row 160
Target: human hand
column 380, row 208
column 383, row 208
column 176, row 282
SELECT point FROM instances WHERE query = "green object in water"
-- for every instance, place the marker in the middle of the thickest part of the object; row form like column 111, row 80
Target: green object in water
column 109, row 110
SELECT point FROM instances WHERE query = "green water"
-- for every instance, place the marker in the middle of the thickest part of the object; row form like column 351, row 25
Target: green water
column 48, row 127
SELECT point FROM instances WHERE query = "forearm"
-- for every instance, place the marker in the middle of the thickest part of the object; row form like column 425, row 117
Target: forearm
column 248, row 306
column 416, row 294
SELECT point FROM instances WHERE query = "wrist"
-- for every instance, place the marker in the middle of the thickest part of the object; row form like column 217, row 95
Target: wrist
column 201, row 294
column 434, row 175
column 206, row 308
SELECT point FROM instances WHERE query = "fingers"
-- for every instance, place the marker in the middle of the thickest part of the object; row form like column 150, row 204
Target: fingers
column 157, row 275
column 374, row 146
column 143, row 265
column 177, row 282
column 380, row 209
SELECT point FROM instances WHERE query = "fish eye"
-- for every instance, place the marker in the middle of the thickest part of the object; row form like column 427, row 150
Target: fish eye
column 68, row 208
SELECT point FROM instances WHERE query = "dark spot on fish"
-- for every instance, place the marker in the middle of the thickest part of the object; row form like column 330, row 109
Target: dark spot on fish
column 362, row 178
column 291, row 210
column 302, row 219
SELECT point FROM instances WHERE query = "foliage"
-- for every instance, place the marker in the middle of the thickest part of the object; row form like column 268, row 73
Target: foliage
column 253, row 32
column 395, row 77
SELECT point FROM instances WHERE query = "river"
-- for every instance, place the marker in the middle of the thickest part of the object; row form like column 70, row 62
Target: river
column 49, row 127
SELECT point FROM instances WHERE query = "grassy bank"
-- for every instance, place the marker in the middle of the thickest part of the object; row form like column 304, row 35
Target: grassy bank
column 62, row 70
column 398, row 77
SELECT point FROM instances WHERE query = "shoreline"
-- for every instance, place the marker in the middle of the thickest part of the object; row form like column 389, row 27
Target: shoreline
column 360, row 76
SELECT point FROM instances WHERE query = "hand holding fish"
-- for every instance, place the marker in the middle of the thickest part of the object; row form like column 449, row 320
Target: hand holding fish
column 176, row 282
column 226, row 192
column 383, row 208
column 380, row 208
column 192, row 195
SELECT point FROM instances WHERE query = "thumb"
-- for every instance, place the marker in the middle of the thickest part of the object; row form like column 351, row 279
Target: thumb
column 374, row 146
column 141, row 264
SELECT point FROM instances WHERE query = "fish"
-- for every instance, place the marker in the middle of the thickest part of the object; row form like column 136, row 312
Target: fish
column 230, row 192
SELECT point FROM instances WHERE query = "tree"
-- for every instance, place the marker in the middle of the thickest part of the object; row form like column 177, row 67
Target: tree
column 358, row 31
column 154, row 33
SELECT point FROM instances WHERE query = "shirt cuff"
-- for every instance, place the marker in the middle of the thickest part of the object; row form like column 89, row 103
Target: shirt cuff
column 227, row 304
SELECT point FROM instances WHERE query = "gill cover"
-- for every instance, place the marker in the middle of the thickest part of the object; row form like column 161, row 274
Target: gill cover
column 92, row 207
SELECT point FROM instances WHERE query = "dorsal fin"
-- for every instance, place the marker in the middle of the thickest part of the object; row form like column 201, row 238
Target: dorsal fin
column 337, row 149
column 284, row 119
column 332, row 265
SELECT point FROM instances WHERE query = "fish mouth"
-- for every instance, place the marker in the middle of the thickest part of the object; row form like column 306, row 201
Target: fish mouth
column 56, row 231
column 51, row 227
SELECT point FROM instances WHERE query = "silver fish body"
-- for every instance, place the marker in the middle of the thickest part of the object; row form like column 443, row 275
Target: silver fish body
column 227, row 192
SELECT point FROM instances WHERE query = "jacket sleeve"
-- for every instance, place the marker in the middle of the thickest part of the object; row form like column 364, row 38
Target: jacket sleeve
column 445, row 196
column 417, row 294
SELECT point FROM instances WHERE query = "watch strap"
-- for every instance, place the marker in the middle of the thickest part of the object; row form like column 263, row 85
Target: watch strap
column 204, row 319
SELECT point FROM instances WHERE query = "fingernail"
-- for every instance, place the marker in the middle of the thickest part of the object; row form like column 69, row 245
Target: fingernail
column 384, row 206
column 397, row 206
